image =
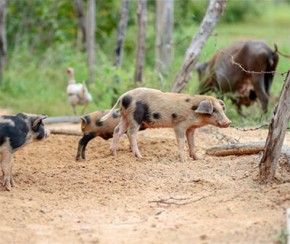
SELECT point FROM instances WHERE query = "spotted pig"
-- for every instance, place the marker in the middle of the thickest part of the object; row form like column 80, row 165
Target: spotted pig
column 15, row 132
column 155, row 109
column 92, row 127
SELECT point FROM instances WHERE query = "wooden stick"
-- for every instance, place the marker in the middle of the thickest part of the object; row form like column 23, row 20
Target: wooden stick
column 236, row 149
column 63, row 119
column 242, row 149
column 66, row 132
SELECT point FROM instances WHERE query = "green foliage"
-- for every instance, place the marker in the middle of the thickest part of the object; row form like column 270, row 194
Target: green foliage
column 283, row 236
column 37, row 24
column 189, row 12
column 238, row 11
column 42, row 37
column 193, row 11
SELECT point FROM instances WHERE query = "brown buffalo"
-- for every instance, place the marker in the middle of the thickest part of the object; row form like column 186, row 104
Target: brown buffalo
column 225, row 73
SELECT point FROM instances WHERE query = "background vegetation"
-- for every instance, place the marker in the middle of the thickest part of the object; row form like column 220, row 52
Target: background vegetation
column 42, row 44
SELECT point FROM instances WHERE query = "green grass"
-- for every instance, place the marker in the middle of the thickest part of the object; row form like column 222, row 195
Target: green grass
column 36, row 82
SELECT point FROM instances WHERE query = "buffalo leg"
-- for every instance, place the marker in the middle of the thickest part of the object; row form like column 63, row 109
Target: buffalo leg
column 259, row 85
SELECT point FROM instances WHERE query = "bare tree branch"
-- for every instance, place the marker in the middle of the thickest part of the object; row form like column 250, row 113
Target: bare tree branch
column 213, row 13
column 276, row 134
column 121, row 33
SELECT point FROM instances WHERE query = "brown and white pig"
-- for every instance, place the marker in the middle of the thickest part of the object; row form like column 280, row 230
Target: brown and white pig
column 92, row 127
column 15, row 132
column 156, row 109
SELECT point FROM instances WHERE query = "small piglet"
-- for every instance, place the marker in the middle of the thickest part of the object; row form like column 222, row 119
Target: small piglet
column 154, row 109
column 92, row 127
column 15, row 132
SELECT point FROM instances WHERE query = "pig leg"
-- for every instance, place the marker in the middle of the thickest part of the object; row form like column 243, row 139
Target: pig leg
column 81, row 153
column 6, row 169
column 118, row 132
column 11, row 176
column 132, row 135
column 190, row 141
column 180, row 136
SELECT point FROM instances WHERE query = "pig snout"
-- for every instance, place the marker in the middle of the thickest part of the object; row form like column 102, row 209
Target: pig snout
column 46, row 133
column 225, row 122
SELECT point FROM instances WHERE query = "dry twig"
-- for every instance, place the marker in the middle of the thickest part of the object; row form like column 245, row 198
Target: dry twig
column 177, row 201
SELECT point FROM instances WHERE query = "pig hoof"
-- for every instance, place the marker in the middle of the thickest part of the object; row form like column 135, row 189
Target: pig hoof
column 113, row 152
column 183, row 160
column 12, row 183
column 7, row 184
column 8, row 187
column 138, row 155
column 194, row 157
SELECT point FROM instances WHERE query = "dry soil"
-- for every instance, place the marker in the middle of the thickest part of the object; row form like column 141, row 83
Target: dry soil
column 156, row 199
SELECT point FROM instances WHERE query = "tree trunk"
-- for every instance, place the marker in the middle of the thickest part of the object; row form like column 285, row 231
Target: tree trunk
column 276, row 134
column 121, row 33
column 164, row 35
column 213, row 13
column 141, row 39
column 80, row 13
column 91, row 40
column 3, row 40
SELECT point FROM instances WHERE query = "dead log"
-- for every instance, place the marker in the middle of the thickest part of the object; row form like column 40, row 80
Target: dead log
column 90, row 45
column 63, row 119
column 65, row 132
column 141, row 39
column 121, row 33
column 213, row 13
column 81, row 16
column 276, row 134
column 243, row 149
column 164, row 35
column 3, row 38
column 236, row 149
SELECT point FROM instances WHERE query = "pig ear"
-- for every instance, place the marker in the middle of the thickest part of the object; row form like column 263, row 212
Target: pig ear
column 83, row 119
column 222, row 104
column 204, row 107
column 83, row 123
column 37, row 121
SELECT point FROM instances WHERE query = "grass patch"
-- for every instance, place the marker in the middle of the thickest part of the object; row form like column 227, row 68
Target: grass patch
column 36, row 81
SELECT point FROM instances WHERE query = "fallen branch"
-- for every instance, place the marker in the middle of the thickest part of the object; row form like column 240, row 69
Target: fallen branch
column 236, row 149
column 63, row 119
column 177, row 201
column 243, row 149
column 66, row 132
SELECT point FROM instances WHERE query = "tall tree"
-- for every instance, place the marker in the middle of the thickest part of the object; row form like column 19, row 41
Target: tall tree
column 3, row 40
column 91, row 39
column 81, row 34
column 276, row 134
column 164, row 35
column 141, row 39
column 213, row 13
column 121, row 33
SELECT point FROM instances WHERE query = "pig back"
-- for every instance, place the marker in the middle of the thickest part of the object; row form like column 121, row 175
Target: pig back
column 155, row 108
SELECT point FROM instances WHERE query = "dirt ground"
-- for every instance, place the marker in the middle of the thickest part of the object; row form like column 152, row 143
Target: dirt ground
column 156, row 199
